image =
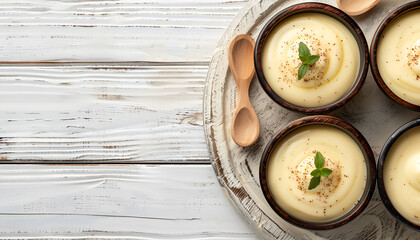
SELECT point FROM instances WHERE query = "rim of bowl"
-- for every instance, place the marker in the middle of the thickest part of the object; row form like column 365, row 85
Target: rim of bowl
column 381, row 185
column 330, row 11
column 370, row 167
column 373, row 52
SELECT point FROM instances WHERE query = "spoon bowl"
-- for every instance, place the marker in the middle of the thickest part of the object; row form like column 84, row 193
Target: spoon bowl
column 240, row 49
column 356, row 7
column 245, row 126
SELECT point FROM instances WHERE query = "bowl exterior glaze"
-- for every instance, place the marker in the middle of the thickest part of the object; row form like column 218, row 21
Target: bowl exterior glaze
column 329, row 11
column 364, row 146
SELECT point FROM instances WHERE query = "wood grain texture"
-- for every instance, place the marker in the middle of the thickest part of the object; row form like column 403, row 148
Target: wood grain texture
column 106, row 113
column 116, row 201
column 374, row 115
column 118, row 30
column 109, row 81
column 147, row 111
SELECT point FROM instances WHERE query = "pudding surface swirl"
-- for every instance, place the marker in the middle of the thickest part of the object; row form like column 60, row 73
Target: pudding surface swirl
column 329, row 78
column 292, row 161
column 398, row 56
column 402, row 175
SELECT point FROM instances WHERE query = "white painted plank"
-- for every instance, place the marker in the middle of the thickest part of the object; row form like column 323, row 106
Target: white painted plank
column 106, row 113
column 116, row 201
column 119, row 30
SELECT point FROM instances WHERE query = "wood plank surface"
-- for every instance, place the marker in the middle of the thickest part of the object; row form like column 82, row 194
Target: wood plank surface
column 119, row 30
column 105, row 113
column 116, row 201
column 146, row 111
column 110, row 81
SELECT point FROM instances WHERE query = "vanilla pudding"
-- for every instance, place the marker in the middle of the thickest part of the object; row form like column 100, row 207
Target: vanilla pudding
column 401, row 175
column 326, row 81
column 398, row 56
column 292, row 161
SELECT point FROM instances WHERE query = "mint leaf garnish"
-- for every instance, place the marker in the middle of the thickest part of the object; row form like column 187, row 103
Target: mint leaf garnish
column 306, row 58
column 319, row 171
column 303, row 69
column 312, row 59
column 319, row 160
column 303, row 50
column 314, row 182
column 316, row 173
column 325, row 172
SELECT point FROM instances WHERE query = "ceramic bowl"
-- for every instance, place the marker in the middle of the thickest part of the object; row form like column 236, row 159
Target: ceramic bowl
column 370, row 167
column 329, row 11
column 382, row 158
column 373, row 53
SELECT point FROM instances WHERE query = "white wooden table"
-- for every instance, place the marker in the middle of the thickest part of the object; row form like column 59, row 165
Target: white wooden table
column 101, row 130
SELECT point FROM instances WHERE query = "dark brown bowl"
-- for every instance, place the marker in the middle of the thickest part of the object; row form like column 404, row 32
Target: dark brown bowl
column 329, row 11
column 381, row 185
column 364, row 146
column 373, row 53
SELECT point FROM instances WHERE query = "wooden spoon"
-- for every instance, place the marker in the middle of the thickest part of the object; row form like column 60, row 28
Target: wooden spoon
column 245, row 126
column 356, row 7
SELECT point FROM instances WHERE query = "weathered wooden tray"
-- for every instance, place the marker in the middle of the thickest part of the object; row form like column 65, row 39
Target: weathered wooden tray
column 371, row 112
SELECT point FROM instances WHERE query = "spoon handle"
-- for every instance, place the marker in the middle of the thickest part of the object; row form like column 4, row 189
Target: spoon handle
column 243, row 95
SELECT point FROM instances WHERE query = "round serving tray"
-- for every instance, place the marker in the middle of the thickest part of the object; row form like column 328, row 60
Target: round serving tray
column 236, row 167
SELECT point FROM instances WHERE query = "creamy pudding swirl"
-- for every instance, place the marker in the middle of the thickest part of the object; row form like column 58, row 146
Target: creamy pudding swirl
column 329, row 78
column 292, row 161
column 398, row 57
column 402, row 175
